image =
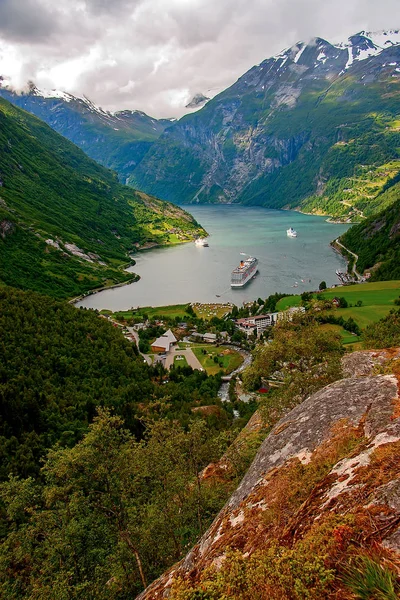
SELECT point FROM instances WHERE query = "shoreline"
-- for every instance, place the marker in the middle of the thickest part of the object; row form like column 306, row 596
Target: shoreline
column 106, row 287
column 116, row 301
column 330, row 218
column 136, row 277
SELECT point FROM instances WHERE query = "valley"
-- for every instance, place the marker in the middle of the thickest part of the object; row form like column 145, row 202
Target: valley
column 162, row 433
column 315, row 128
column 66, row 224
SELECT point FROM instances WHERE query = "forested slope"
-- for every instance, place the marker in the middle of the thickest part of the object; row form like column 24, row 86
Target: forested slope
column 58, row 363
column 66, row 224
column 376, row 240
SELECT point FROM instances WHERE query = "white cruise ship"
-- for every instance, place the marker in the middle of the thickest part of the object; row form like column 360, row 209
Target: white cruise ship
column 244, row 272
column 291, row 232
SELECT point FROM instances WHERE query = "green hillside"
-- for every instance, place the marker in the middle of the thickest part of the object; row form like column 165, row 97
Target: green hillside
column 367, row 303
column 59, row 363
column 117, row 141
column 66, row 224
column 376, row 240
column 308, row 133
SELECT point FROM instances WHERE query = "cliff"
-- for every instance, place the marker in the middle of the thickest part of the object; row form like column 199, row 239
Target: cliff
column 322, row 494
column 307, row 128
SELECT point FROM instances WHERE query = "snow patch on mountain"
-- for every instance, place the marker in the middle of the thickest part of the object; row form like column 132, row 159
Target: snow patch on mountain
column 366, row 44
column 53, row 94
column 301, row 47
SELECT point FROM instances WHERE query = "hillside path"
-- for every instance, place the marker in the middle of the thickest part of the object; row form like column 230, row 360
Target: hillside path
column 353, row 254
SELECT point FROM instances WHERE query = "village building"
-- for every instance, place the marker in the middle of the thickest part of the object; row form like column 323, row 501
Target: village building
column 210, row 338
column 164, row 343
column 257, row 322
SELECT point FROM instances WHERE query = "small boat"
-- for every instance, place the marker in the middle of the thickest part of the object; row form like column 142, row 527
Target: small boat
column 201, row 242
column 291, row 232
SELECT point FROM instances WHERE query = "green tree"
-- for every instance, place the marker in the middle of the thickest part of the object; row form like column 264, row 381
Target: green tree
column 302, row 356
column 110, row 514
column 322, row 285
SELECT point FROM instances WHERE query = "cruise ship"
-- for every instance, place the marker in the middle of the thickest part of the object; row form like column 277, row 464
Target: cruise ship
column 291, row 232
column 244, row 272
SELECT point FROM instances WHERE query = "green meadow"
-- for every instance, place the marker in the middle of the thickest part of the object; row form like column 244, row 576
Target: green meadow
column 230, row 359
column 204, row 311
column 377, row 300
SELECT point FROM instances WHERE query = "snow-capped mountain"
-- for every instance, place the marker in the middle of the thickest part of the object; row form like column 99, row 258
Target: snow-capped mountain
column 238, row 147
column 116, row 140
column 358, row 47
column 311, row 113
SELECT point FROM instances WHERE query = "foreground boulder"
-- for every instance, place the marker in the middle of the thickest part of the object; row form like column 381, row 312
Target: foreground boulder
column 322, row 493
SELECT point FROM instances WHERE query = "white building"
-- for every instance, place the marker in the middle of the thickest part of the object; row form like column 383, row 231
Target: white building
column 257, row 322
column 164, row 342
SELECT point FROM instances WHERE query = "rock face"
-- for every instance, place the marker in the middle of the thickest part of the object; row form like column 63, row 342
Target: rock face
column 197, row 101
column 271, row 138
column 365, row 408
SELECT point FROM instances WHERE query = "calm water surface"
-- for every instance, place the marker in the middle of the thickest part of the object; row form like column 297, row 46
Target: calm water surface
column 187, row 273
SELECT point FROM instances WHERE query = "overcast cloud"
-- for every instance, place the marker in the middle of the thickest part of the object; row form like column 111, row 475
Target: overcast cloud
column 154, row 55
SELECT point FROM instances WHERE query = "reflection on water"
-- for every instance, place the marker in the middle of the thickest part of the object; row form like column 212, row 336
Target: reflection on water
column 189, row 273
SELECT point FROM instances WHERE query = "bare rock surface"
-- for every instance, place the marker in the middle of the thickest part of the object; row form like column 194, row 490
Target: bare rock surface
column 358, row 364
column 368, row 404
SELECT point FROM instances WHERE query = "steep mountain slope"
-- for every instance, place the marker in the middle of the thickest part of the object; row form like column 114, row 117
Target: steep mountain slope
column 66, row 224
column 301, row 125
column 376, row 240
column 318, row 511
column 118, row 141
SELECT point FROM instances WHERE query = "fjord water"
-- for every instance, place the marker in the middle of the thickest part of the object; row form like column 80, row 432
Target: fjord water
column 187, row 273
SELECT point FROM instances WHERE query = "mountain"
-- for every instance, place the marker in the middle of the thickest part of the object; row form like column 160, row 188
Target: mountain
column 197, row 101
column 315, row 127
column 116, row 140
column 376, row 240
column 66, row 224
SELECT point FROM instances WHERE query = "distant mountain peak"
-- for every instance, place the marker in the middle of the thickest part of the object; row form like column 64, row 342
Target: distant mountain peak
column 197, row 101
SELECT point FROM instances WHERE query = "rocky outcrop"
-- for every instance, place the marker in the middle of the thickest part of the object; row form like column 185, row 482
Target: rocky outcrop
column 6, row 228
column 355, row 424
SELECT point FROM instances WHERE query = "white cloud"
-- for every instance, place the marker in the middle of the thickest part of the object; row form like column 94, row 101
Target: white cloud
column 153, row 55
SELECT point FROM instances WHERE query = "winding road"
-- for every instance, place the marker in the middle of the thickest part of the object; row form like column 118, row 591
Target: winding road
column 353, row 254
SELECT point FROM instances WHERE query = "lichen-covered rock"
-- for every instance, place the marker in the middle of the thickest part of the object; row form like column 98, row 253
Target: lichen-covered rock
column 335, row 454
column 358, row 364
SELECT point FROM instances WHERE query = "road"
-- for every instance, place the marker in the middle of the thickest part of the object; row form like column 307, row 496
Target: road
column 190, row 356
column 355, row 256
column 136, row 336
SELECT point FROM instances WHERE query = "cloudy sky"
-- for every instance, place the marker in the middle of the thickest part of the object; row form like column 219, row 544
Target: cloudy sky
column 154, row 55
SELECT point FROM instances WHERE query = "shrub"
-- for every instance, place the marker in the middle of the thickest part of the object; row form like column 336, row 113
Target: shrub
column 369, row 580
